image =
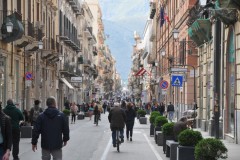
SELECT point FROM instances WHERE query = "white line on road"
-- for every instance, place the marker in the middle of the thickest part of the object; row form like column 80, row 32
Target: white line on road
column 104, row 156
column 153, row 149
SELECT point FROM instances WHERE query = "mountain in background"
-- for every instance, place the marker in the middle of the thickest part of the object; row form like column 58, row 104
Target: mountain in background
column 121, row 18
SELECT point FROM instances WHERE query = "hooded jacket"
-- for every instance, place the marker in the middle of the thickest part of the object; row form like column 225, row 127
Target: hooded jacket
column 53, row 127
column 15, row 114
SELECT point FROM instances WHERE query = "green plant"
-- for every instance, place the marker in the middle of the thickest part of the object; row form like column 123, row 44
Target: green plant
column 160, row 121
column 141, row 113
column 210, row 149
column 167, row 129
column 66, row 112
column 189, row 137
column 153, row 115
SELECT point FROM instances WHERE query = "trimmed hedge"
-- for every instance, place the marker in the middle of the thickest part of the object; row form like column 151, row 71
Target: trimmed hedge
column 189, row 137
column 66, row 112
column 141, row 113
column 153, row 115
column 167, row 129
column 210, row 149
column 160, row 121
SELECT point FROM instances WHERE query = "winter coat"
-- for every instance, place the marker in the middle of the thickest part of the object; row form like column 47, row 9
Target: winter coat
column 6, row 130
column 15, row 114
column 130, row 115
column 117, row 118
column 53, row 127
column 170, row 108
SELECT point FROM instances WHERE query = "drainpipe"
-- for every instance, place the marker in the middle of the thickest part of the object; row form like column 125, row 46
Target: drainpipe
column 217, row 73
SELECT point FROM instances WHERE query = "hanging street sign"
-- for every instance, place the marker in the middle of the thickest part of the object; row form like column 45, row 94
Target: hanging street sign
column 28, row 83
column 179, row 69
column 164, row 84
column 28, row 76
column 76, row 79
column 177, row 80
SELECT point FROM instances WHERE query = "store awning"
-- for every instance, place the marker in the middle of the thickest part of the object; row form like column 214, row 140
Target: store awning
column 67, row 83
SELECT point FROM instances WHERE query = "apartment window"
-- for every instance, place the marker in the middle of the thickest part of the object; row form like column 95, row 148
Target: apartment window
column 3, row 81
column 17, row 80
column 60, row 22
column 5, row 6
column 38, row 10
column 29, row 9
column 19, row 10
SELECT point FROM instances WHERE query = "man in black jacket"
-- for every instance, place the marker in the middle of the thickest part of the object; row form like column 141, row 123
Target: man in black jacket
column 53, row 127
column 117, row 119
column 6, row 132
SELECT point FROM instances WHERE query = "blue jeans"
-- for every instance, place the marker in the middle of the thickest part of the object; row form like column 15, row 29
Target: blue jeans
column 170, row 115
column 114, row 135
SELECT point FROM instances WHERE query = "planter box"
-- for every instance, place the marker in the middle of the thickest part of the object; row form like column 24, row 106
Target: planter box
column 155, row 135
column 165, row 138
column 143, row 120
column 151, row 130
column 26, row 131
column 185, row 152
column 80, row 116
column 171, row 149
column 159, row 138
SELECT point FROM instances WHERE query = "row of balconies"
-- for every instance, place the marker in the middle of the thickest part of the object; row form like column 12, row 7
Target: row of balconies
column 75, row 5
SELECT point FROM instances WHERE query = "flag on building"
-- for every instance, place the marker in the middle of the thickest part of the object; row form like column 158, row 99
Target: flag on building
column 141, row 72
column 163, row 17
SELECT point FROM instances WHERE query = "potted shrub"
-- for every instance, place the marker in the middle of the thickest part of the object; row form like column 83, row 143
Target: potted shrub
column 142, row 118
column 167, row 129
column 188, row 139
column 153, row 115
column 159, row 121
column 210, row 149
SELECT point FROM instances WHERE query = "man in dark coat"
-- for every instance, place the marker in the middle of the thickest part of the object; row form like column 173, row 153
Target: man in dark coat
column 179, row 127
column 53, row 127
column 6, row 132
column 117, row 119
column 35, row 111
column 170, row 111
column 16, row 116
column 130, row 118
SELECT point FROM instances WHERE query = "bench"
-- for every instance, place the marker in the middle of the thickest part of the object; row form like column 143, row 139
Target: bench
column 159, row 138
column 171, row 149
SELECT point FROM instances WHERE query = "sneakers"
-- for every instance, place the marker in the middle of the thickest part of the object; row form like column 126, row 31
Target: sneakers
column 130, row 138
column 114, row 145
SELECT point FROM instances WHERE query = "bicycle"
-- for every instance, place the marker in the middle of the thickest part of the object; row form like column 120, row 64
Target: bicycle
column 118, row 141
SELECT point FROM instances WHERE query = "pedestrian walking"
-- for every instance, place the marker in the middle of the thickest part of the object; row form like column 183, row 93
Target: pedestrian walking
column 162, row 108
column 90, row 111
column 16, row 116
column 104, row 107
column 73, row 109
column 6, row 132
column 130, row 118
column 53, row 127
column 96, row 114
column 35, row 111
column 170, row 111
column 117, row 119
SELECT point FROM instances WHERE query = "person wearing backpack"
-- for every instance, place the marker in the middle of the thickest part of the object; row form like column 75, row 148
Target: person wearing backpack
column 35, row 111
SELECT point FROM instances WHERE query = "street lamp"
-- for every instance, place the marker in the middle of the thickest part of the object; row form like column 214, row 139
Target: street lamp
column 9, row 26
column 40, row 45
column 203, row 2
column 163, row 52
column 175, row 33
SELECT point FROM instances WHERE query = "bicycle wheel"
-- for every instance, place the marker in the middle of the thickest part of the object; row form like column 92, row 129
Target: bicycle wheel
column 117, row 141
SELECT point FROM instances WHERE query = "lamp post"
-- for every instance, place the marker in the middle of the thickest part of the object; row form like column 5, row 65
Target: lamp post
column 9, row 26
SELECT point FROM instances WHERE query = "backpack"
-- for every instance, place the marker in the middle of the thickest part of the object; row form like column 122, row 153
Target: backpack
column 35, row 114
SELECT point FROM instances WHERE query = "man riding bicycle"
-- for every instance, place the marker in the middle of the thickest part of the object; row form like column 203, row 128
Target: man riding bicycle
column 117, row 119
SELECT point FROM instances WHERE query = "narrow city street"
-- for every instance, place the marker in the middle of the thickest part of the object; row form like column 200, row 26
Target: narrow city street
column 91, row 142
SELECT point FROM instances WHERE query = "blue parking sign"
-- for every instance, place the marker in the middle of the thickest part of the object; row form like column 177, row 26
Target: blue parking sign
column 177, row 80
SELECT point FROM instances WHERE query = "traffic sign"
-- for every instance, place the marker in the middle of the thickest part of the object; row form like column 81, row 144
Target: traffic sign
column 177, row 80
column 28, row 76
column 164, row 84
column 178, row 69
column 28, row 83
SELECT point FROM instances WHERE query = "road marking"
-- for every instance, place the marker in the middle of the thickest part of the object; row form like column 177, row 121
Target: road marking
column 153, row 149
column 104, row 156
